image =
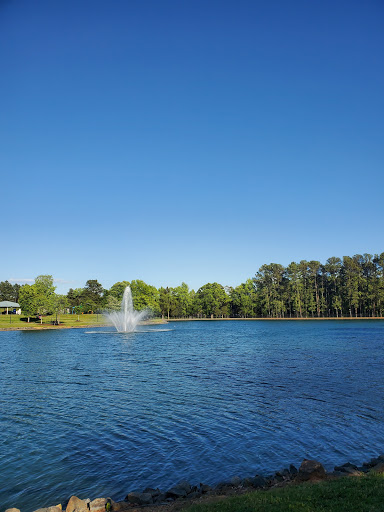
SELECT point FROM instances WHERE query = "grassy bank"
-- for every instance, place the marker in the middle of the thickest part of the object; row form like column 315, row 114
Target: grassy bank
column 349, row 494
column 14, row 322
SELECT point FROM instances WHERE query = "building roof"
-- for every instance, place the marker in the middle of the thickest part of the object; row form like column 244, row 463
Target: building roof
column 7, row 304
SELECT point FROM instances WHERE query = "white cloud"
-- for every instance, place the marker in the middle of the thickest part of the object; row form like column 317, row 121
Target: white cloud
column 20, row 280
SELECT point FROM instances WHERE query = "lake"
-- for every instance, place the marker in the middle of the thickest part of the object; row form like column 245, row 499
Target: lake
column 97, row 413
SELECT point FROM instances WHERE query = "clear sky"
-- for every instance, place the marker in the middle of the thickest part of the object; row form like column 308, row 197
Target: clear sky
column 188, row 140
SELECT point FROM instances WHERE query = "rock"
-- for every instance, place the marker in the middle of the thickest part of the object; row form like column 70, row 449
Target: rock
column 338, row 474
column 160, row 499
column 311, row 470
column 205, row 488
column 146, row 498
column 194, row 494
column 379, row 468
column 293, row 470
column 352, row 472
column 223, row 486
column 259, row 481
column 272, row 481
column 184, row 484
column 176, row 492
column 235, row 481
column 282, row 475
column 57, row 508
column 12, row 510
column 133, row 497
column 153, row 492
column 98, row 505
column 121, row 506
column 346, row 467
column 247, row 482
column 75, row 504
column 381, row 457
column 256, row 482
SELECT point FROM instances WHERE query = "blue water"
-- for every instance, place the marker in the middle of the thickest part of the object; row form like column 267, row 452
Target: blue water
column 101, row 414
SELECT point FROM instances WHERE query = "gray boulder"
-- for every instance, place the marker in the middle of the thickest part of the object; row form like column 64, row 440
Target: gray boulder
column 184, row 484
column 146, row 498
column 133, row 497
column 379, row 468
column 259, row 481
column 176, row 492
column 235, row 481
column 153, row 492
column 255, row 482
column 194, row 494
column 347, row 469
column 311, row 470
column 204, row 488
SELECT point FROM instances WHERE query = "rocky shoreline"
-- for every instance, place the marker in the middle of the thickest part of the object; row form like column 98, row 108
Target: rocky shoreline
column 184, row 494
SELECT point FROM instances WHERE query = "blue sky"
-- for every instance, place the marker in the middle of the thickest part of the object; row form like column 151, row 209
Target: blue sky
column 190, row 141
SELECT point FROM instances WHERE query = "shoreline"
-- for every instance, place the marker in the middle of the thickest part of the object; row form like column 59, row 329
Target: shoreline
column 308, row 318
column 35, row 326
column 184, row 495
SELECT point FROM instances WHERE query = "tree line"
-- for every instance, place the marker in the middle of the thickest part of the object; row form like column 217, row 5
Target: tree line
column 347, row 287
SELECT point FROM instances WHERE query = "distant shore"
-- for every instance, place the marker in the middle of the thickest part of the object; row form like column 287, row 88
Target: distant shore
column 278, row 319
column 35, row 326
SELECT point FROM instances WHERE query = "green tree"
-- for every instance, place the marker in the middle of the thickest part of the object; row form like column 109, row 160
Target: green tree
column 333, row 269
column 9, row 292
column 28, row 300
column 313, row 272
column 379, row 261
column 243, row 299
column 75, row 298
column 296, row 287
column 60, row 303
column 92, row 295
column 183, row 300
column 350, row 279
column 117, row 289
column 145, row 296
column 212, row 300
column 166, row 301
column 269, row 283
column 45, row 295
column 112, row 303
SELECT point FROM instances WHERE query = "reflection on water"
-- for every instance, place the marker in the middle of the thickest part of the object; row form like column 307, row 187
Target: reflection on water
column 95, row 414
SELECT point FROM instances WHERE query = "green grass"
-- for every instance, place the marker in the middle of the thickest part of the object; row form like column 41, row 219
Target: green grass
column 15, row 322
column 350, row 494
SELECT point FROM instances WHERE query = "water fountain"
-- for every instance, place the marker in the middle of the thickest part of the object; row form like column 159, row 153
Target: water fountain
column 127, row 318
